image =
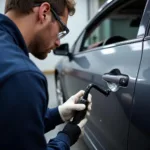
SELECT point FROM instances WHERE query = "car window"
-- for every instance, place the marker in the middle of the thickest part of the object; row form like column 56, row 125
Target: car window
column 120, row 25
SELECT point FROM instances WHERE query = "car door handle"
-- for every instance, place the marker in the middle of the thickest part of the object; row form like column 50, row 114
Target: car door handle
column 120, row 80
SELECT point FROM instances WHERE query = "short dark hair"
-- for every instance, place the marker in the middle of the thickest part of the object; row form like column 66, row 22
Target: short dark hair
column 26, row 6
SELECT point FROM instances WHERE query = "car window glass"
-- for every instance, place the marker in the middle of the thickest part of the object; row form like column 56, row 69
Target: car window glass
column 120, row 25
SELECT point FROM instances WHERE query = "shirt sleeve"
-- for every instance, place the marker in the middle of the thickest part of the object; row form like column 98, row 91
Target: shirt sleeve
column 52, row 115
column 23, row 103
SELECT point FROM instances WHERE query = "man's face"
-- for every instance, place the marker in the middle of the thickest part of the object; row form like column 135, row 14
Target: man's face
column 46, row 34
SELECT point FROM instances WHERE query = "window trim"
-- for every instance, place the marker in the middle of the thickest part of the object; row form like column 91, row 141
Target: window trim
column 147, row 38
column 80, row 38
column 140, row 39
column 145, row 21
column 147, row 34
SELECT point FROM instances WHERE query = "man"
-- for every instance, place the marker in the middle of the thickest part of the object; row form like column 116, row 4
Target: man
column 34, row 26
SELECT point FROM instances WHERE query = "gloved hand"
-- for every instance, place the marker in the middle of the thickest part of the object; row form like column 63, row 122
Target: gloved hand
column 74, row 131
column 67, row 109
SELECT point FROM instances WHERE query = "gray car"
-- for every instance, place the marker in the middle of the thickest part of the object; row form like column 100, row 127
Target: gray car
column 113, row 52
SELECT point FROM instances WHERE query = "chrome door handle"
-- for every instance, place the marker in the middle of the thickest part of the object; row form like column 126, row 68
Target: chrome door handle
column 115, row 80
column 120, row 80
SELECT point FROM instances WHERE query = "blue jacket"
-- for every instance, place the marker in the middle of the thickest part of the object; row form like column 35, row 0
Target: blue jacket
column 24, row 116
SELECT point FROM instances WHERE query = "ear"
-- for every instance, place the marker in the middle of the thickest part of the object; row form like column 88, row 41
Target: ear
column 44, row 12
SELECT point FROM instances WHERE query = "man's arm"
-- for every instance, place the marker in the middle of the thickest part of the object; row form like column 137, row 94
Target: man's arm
column 23, row 106
column 52, row 115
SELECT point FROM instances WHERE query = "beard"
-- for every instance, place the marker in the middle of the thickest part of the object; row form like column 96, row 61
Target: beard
column 36, row 48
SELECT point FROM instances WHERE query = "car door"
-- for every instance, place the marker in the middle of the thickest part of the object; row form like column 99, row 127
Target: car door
column 112, row 46
column 139, row 132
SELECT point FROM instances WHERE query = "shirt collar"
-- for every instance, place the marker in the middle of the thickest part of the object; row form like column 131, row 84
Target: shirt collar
column 10, row 27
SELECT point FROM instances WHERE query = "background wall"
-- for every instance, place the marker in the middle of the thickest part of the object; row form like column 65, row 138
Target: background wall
column 2, row 4
column 75, row 23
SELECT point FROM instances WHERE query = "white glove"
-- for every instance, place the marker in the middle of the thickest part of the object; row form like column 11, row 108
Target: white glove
column 67, row 109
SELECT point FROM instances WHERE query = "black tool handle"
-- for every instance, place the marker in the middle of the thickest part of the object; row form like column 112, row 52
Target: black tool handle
column 80, row 115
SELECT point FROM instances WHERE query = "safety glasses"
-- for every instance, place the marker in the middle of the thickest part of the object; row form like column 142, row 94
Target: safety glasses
column 64, row 29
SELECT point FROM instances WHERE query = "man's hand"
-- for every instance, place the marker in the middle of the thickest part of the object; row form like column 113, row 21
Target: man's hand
column 67, row 109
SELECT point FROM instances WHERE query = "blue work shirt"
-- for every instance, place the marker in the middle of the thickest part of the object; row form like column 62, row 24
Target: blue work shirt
column 24, row 116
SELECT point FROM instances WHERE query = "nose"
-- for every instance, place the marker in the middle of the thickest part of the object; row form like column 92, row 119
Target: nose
column 57, row 43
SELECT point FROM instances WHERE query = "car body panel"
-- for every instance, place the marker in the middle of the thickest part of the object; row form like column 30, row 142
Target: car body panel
column 109, row 122
column 139, row 133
